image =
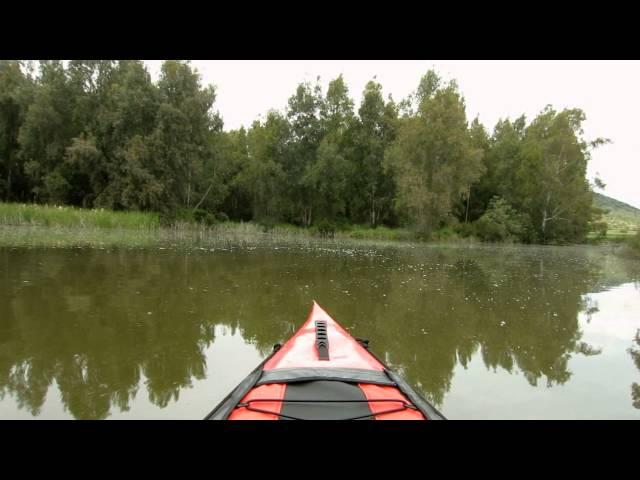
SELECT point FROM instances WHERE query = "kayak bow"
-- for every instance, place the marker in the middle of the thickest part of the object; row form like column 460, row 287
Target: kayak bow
column 323, row 373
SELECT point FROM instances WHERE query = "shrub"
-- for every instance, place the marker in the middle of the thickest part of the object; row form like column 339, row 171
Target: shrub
column 267, row 224
column 203, row 217
column 444, row 234
column 501, row 223
column 198, row 215
column 326, row 229
column 465, row 229
column 222, row 217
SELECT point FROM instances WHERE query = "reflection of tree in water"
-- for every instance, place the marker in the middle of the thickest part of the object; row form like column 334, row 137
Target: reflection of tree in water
column 426, row 312
column 441, row 311
column 100, row 325
column 635, row 388
column 93, row 335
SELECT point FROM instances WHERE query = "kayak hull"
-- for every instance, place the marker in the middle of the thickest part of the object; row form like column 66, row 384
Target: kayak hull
column 323, row 373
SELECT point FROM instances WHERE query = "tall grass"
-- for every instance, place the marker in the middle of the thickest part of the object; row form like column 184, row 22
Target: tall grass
column 18, row 214
column 61, row 226
column 380, row 233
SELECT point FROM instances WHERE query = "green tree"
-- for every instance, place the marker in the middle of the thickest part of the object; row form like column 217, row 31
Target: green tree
column 433, row 159
column 46, row 132
column 130, row 176
column 325, row 177
column 501, row 222
column 373, row 190
column 473, row 203
column 554, row 190
column 180, row 140
column 263, row 174
column 16, row 87
column 232, row 150
column 304, row 111
column 502, row 160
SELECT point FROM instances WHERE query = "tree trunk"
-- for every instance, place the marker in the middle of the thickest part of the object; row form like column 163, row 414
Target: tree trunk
column 306, row 216
column 466, row 216
column 373, row 213
column 8, row 185
column 203, row 197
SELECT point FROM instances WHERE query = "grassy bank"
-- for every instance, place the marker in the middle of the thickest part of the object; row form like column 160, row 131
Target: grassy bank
column 62, row 226
column 19, row 214
column 225, row 235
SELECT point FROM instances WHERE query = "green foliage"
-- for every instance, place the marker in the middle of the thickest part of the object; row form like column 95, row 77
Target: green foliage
column 326, row 229
column 445, row 234
column 381, row 233
column 554, row 190
column 65, row 216
column 304, row 115
column 260, row 175
column 16, row 88
column 204, row 217
column 433, row 158
column 501, row 223
column 371, row 191
column 267, row 224
column 465, row 230
column 222, row 217
column 102, row 134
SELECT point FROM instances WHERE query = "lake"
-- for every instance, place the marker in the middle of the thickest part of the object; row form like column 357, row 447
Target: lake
column 484, row 332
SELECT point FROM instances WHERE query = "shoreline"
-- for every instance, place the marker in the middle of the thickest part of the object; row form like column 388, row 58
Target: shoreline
column 32, row 225
column 224, row 235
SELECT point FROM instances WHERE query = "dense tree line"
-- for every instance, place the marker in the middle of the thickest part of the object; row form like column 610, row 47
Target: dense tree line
column 103, row 134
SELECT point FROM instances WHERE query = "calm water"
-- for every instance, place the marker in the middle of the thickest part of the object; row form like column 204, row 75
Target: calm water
column 483, row 332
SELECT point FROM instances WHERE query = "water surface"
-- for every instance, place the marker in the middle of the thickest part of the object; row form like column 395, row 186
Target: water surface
column 483, row 332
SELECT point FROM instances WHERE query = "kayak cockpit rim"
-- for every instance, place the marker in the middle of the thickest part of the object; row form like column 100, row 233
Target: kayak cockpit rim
column 297, row 375
column 308, row 381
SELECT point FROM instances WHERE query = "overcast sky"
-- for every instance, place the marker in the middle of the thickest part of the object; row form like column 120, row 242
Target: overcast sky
column 608, row 92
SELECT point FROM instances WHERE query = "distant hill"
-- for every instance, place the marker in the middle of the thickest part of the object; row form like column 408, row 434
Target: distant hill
column 621, row 217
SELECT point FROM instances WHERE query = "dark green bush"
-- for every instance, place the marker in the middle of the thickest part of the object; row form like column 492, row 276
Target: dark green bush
column 204, row 217
column 326, row 229
column 267, row 224
column 501, row 223
column 222, row 217
column 465, row 229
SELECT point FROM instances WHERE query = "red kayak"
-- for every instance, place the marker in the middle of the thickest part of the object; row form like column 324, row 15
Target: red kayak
column 323, row 373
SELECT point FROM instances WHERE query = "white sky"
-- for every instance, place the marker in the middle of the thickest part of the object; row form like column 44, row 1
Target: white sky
column 606, row 90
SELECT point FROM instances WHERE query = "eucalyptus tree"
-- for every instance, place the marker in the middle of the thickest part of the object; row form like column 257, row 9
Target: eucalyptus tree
column 326, row 176
column 263, row 175
column 16, row 88
column 373, row 189
column 184, row 123
column 433, row 159
column 303, row 113
column 553, row 185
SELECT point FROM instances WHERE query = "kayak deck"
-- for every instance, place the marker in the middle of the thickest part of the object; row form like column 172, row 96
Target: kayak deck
column 323, row 373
